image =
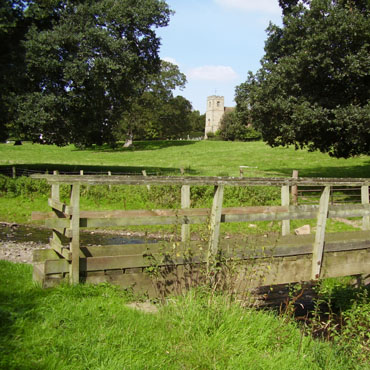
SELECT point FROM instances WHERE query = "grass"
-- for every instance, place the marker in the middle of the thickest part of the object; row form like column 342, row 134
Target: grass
column 90, row 327
column 80, row 327
column 202, row 158
column 19, row 198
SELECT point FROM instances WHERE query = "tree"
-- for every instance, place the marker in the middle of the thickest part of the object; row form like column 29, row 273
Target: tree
column 197, row 122
column 313, row 88
column 236, row 126
column 156, row 114
column 13, row 27
column 86, row 61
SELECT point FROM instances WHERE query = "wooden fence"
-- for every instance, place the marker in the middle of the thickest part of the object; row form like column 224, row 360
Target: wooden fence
column 284, row 259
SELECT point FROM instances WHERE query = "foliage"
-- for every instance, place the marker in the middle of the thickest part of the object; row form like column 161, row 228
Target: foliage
column 12, row 70
column 84, row 62
column 233, row 128
column 343, row 316
column 91, row 327
column 313, row 87
column 156, row 114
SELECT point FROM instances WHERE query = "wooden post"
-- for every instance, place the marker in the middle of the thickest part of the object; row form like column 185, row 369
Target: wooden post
column 110, row 174
column 145, row 175
column 81, row 172
column 318, row 247
column 215, row 223
column 55, row 196
column 295, row 188
column 14, row 172
column 55, row 189
column 74, row 267
column 182, row 171
column 365, row 200
column 285, row 229
column 185, row 203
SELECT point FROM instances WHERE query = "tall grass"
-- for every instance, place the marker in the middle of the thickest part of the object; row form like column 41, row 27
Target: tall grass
column 90, row 327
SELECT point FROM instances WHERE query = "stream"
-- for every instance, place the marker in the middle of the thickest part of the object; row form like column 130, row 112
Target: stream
column 15, row 233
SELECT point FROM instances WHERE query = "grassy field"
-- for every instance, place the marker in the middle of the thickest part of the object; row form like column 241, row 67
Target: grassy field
column 202, row 158
column 91, row 327
column 20, row 197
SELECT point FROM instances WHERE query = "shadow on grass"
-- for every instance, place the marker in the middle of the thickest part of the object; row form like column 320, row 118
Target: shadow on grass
column 140, row 146
column 16, row 303
column 359, row 171
column 64, row 169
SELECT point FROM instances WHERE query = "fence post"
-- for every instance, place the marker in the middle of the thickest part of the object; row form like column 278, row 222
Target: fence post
column 81, row 172
column 365, row 200
column 145, row 175
column 185, row 203
column 285, row 227
column 215, row 224
column 74, row 267
column 14, row 172
column 55, row 189
column 295, row 188
column 318, row 247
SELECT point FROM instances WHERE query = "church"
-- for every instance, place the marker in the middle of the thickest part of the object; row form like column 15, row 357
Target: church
column 214, row 113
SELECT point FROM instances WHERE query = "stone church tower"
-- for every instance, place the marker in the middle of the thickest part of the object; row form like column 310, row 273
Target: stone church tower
column 215, row 111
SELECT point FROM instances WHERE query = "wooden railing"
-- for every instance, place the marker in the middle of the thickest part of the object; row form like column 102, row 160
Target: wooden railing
column 67, row 219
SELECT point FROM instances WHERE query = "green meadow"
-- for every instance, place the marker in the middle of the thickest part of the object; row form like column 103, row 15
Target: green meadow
column 201, row 158
column 91, row 327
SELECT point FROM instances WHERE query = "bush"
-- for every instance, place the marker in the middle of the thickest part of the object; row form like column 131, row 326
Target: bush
column 233, row 128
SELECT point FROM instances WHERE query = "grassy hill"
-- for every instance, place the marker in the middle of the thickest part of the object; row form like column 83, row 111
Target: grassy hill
column 202, row 158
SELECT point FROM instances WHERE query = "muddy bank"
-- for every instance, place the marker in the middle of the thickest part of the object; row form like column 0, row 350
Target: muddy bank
column 17, row 242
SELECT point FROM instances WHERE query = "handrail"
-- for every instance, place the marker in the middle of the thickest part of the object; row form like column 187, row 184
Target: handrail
column 199, row 180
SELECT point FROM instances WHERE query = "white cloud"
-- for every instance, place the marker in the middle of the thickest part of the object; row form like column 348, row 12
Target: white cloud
column 171, row 60
column 268, row 6
column 212, row 73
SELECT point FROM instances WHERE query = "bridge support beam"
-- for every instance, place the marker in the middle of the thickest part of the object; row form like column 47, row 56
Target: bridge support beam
column 318, row 247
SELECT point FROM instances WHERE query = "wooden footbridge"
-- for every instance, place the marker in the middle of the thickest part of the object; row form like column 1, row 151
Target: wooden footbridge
column 163, row 267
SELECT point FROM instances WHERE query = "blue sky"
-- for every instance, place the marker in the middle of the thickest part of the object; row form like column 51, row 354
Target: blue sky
column 215, row 43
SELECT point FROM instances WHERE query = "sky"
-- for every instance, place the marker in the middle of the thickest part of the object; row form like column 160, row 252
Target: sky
column 215, row 43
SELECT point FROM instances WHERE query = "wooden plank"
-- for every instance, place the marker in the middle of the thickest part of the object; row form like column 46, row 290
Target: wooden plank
column 318, row 247
column 59, row 206
column 214, row 223
column 140, row 283
column 56, row 266
column 41, row 255
column 365, row 201
column 185, row 204
column 192, row 180
column 246, row 276
column 75, row 242
column 230, row 214
column 285, row 227
column 61, row 249
column 294, row 190
column 260, row 245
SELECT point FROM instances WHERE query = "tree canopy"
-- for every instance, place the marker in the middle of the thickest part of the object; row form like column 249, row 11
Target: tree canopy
column 313, row 88
column 156, row 113
column 84, row 61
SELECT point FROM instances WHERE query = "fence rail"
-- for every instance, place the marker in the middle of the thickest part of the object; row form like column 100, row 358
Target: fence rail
column 66, row 220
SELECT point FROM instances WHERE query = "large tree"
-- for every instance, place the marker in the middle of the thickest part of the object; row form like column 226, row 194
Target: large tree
column 156, row 113
column 13, row 27
column 86, row 60
column 313, row 88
